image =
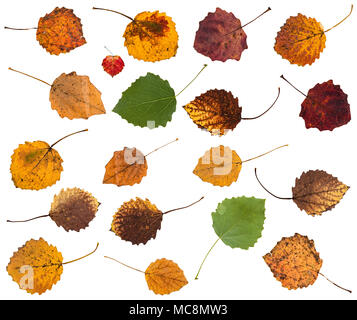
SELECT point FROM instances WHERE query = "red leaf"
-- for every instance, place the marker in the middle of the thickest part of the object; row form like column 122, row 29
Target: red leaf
column 113, row 65
column 325, row 107
column 215, row 38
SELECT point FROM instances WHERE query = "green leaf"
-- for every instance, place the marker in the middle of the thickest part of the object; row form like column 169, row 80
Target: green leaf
column 149, row 101
column 239, row 222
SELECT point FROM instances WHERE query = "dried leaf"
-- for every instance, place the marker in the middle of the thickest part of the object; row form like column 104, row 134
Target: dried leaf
column 60, row 31
column 113, row 65
column 294, row 262
column 316, row 192
column 216, row 40
column 35, row 166
column 300, row 40
column 216, row 111
column 73, row 209
column 126, row 168
column 41, row 262
column 151, row 37
column 325, row 107
column 137, row 221
column 164, row 277
column 219, row 166
column 75, row 97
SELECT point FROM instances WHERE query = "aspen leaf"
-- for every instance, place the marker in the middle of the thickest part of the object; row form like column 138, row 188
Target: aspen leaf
column 72, row 209
column 295, row 262
column 59, row 31
column 73, row 96
column 221, row 166
column 302, row 39
column 138, row 221
column 325, row 106
column 148, row 102
column 315, row 192
column 150, row 36
column 217, row 111
column 37, row 266
column 162, row 276
column 128, row 167
column 221, row 36
column 238, row 222
column 113, row 65
column 36, row 165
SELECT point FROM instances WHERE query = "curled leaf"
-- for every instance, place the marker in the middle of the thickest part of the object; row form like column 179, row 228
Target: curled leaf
column 60, row 31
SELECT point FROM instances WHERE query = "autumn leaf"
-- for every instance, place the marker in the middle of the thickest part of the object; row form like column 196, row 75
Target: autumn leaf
column 113, row 65
column 151, row 36
column 221, row 36
column 128, row 167
column 72, row 209
column 325, row 106
column 315, row 192
column 162, row 276
column 238, row 222
column 73, row 96
column 302, row 39
column 138, row 221
column 37, row 266
column 221, row 166
column 217, row 111
column 59, row 31
column 295, row 262
column 36, row 165
column 148, row 102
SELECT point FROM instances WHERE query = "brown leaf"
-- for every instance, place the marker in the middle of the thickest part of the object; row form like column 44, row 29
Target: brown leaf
column 75, row 97
column 126, row 168
column 60, row 31
column 216, row 111
column 216, row 40
column 317, row 191
column 36, row 266
column 164, row 277
column 137, row 221
column 294, row 262
column 73, row 209
column 219, row 166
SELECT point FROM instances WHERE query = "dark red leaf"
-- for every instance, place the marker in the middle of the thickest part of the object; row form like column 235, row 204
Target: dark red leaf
column 113, row 65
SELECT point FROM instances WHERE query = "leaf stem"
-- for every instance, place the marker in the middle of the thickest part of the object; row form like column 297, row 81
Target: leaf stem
column 204, row 260
column 344, row 19
column 122, row 14
column 335, row 283
column 40, row 217
column 125, row 265
column 204, row 67
column 285, row 145
column 106, row 48
column 282, row 77
column 25, row 74
column 87, row 255
column 192, row 204
column 265, row 110
column 20, row 29
column 241, row 27
column 165, row 145
column 281, row 198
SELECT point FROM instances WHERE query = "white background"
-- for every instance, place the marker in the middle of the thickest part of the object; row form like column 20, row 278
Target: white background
column 185, row 236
